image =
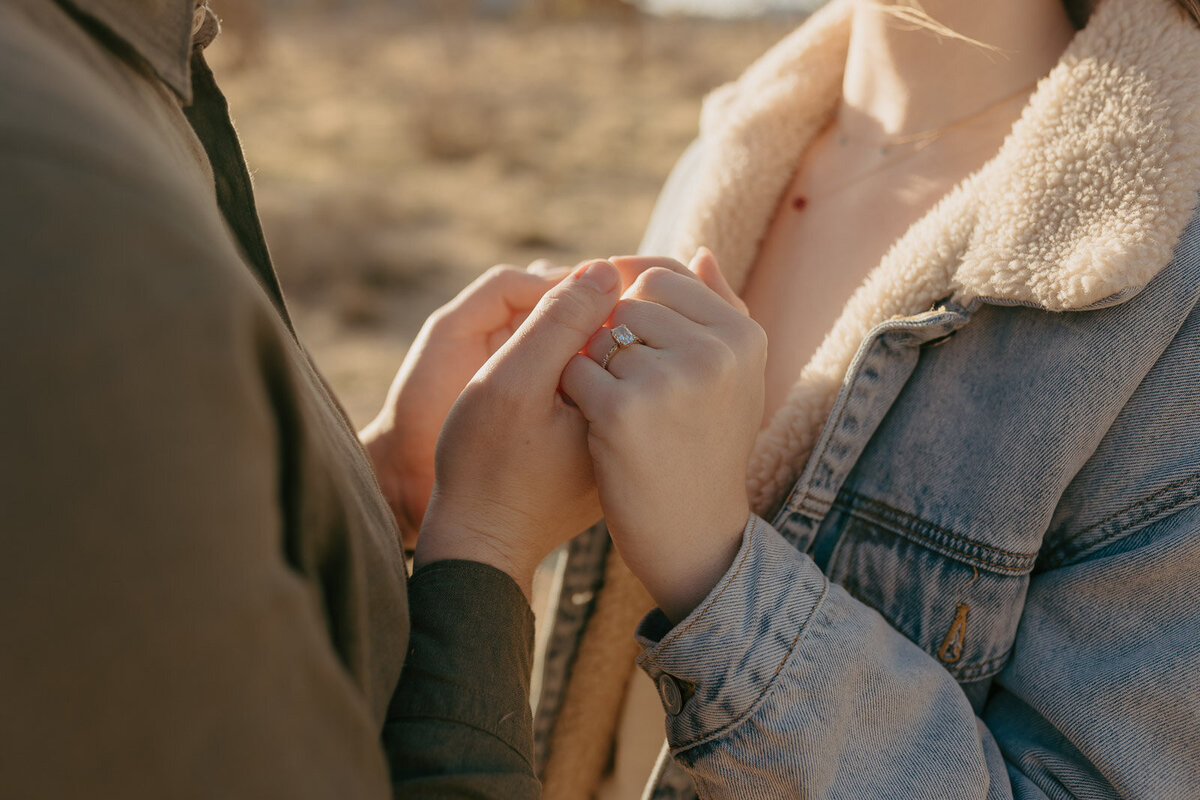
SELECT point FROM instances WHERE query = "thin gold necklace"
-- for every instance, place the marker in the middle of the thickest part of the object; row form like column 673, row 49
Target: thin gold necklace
column 923, row 139
column 920, row 140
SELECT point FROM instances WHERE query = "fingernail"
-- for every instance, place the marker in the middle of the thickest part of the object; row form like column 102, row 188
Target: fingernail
column 600, row 274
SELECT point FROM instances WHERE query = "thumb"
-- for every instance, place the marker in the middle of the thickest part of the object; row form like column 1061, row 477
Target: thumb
column 559, row 327
column 704, row 264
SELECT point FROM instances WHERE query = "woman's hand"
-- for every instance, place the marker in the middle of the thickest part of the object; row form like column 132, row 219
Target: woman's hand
column 514, row 477
column 671, row 424
column 453, row 344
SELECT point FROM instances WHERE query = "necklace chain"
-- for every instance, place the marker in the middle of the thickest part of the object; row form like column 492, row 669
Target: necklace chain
column 921, row 140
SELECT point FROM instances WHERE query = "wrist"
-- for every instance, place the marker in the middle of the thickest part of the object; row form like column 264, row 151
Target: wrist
column 681, row 582
column 446, row 539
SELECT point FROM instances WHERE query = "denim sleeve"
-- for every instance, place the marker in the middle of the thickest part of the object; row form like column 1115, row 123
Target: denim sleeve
column 785, row 686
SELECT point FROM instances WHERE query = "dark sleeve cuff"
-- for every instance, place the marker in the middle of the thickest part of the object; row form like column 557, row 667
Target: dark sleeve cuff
column 469, row 655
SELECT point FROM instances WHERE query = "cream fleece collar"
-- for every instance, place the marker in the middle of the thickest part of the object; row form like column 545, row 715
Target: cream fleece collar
column 1080, row 208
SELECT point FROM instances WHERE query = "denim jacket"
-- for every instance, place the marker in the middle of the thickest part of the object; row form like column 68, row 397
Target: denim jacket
column 975, row 574
column 985, row 583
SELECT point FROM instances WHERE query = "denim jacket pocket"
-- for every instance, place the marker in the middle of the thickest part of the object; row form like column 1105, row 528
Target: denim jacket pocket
column 958, row 599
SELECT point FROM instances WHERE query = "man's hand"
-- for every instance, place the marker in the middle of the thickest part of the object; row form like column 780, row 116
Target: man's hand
column 453, row 344
column 514, row 478
column 671, row 424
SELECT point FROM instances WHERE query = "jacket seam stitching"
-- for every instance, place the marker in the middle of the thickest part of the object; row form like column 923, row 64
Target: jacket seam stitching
column 1061, row 555
column 824, row 441
column 903, row 532
column 918, row 521
column 769, row 684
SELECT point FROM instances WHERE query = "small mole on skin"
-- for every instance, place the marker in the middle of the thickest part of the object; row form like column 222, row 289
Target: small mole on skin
column 800, row 203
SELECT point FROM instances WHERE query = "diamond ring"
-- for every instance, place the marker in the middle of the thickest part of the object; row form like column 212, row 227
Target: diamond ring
column 622, row 338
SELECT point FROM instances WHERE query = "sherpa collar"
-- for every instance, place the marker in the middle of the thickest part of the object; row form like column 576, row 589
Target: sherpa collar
column 1080, row 208
column 1083, row 203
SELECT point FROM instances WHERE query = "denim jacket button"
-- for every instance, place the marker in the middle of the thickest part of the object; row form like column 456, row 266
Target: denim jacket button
column 672, row 698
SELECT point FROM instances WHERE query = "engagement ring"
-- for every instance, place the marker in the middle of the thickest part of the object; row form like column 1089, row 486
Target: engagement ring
column 622, row 338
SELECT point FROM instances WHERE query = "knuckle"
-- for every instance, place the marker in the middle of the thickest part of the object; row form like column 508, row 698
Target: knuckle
column 745, row 337
column 708, row 362
column 613, row 412
column 656, row 279
column 761, row 343
column 500, row 270
column 666, row 386
column 437, row 319
column 752, row 338
column 568, row 310
column 719, row 360
column 501, row 274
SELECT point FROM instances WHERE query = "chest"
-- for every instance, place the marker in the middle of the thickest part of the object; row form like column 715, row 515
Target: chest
column 833, row 224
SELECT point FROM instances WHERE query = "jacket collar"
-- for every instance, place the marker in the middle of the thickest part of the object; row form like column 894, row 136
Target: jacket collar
column 1081, row 207
column 158, row 32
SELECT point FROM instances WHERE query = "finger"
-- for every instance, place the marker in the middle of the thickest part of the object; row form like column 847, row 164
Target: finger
column 704, row 265
column 558, row 328
column 497, row 338
column 548, row 269
column 589, row 387
column 658, row 327
column 620, row 360
column 632, row 267
column 625, row 363
column 494, row 297
column 684, row 295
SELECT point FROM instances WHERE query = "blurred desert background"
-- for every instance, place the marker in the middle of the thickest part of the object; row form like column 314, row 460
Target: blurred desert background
column 401, row 147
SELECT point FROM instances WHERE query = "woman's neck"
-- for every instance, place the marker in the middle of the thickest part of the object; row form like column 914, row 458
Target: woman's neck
column 903, row 79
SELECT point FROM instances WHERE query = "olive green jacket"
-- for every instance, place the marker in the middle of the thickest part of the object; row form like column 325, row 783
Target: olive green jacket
column 201, row 588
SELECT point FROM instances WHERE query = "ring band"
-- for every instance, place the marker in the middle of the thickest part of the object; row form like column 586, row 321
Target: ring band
column 622, row 338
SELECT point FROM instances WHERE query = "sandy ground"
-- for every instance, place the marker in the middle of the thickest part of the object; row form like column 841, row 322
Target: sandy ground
column 396, row 159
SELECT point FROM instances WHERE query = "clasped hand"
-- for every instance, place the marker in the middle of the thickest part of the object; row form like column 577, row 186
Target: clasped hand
column 543, row 439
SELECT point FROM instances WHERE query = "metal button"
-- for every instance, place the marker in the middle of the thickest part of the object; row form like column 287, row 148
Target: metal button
column 205, row 25
column 668, row 690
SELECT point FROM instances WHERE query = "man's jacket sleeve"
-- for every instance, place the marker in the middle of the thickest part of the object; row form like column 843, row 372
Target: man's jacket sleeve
column 460, row 723
column 201, row 594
